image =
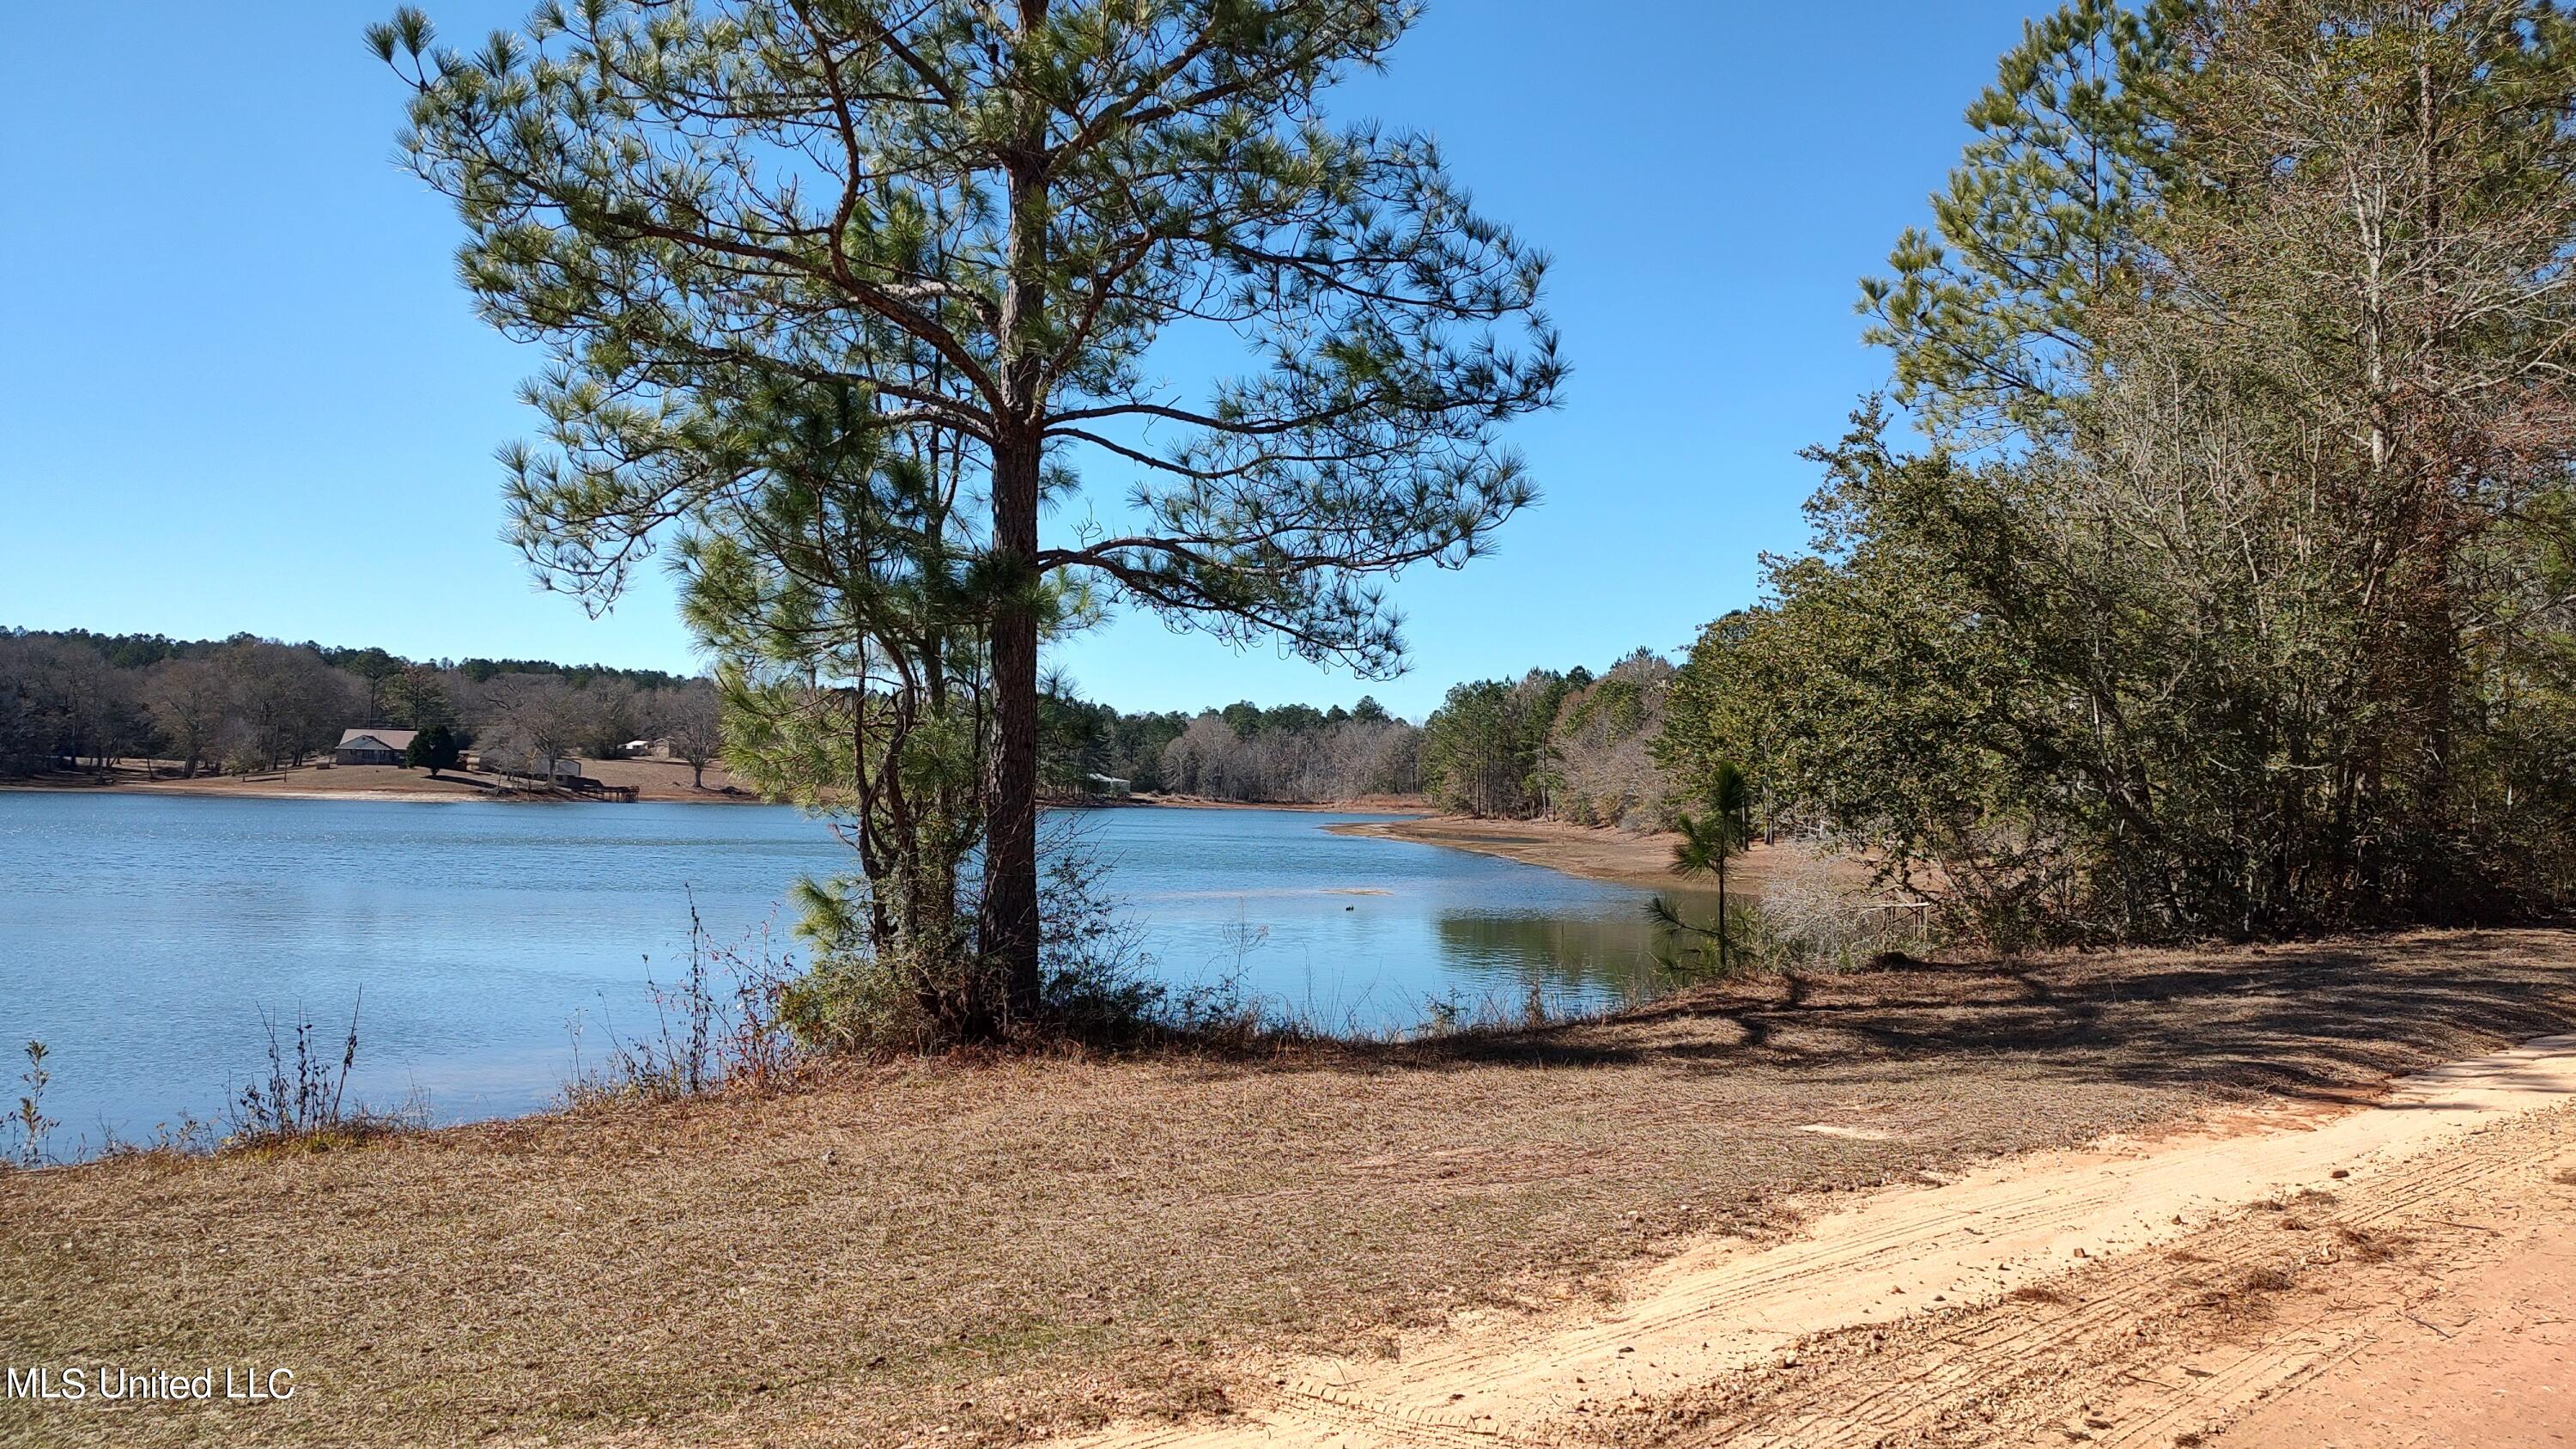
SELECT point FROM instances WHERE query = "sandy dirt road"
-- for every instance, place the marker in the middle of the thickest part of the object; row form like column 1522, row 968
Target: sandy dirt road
column 2476, row 1347
column 2391, row 1274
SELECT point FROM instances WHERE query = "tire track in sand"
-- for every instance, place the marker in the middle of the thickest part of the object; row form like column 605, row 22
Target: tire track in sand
column 2153, row 1348
column 1675, row 1358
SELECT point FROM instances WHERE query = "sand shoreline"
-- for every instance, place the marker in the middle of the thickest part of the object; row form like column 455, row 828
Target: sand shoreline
column 1642, row 859
column 655, row 781
column 1363, row 805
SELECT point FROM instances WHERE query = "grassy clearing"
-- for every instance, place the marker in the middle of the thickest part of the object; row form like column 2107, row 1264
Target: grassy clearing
column 999, row 1249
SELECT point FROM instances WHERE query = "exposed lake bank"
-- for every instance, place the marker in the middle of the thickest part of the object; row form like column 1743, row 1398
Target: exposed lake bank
column 1641, row 859
column 659, row 780
column 1357, row 804
column 994, row 1251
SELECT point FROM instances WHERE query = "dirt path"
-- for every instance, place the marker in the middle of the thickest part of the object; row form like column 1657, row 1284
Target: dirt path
column 2476, row 1346
column 2140, row 1293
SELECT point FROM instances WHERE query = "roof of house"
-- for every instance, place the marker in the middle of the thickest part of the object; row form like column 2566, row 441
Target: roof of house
column 388, row 739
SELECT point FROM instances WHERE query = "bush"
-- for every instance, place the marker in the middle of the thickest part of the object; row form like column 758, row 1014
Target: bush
column 1094, row 988
column 723, row 1026
column 1804, row 919
column 29, row 1122
column 1807, row 921
column 305, row 1099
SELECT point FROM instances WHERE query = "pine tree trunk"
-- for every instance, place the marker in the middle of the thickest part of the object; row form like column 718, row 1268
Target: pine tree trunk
column 1009, row 920
column 1008, row 924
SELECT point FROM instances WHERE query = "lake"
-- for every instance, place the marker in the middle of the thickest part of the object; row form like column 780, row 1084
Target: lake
column 142, row 937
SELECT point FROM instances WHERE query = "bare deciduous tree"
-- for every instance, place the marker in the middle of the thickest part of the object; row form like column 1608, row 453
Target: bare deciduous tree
column 693, row 727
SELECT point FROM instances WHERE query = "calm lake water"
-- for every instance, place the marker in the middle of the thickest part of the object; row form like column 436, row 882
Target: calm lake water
column 142, row 937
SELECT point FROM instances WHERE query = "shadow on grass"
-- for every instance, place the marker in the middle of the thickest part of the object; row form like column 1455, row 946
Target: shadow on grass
column 2306, row 1021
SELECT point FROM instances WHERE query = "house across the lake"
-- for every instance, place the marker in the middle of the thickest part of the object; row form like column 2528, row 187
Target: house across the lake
column 372, row 747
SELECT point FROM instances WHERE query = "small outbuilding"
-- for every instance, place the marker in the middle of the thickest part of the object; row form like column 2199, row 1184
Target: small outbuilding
column 1108, row 785
column 372, row 747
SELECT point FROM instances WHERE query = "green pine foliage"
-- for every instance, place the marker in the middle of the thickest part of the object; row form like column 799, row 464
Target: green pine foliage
column 2230, row 598
column 981, row 221
column 433, row 749
column 1484, row 751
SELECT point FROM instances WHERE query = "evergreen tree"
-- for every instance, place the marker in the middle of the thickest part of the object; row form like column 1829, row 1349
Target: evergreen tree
column 2256, row 623
column 417, row 698
column 433, row 749
column 1710, row 839
column 376, row 668
column 1993, row 321
column 983, row 218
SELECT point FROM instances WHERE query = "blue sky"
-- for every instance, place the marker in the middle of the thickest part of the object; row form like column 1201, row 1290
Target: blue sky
column 240, row 389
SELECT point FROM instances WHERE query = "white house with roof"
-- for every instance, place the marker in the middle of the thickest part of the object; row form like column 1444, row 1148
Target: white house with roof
column 372, row 747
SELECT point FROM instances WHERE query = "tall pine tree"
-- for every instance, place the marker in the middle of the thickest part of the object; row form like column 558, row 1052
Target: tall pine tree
column 985, row 216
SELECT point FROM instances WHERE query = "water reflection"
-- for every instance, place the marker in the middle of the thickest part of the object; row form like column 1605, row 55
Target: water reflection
column 1590, row 957
column 142, row 937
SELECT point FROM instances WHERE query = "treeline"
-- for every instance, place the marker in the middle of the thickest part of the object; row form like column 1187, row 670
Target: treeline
column 1570, row 746
column 2234, row 591
column 1567, row 745
column 1288, row 754
column 75, row 700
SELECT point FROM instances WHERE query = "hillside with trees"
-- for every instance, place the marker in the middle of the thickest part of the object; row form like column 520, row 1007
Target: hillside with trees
column 73, row 700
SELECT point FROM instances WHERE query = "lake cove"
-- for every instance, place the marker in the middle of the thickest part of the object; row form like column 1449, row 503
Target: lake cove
column 484, row 944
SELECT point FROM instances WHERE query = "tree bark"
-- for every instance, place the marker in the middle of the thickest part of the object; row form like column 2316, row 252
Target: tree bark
column 1008, row 925
column 1008, row 922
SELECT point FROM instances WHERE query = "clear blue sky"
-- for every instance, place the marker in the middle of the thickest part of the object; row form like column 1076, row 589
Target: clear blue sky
column 241, row 390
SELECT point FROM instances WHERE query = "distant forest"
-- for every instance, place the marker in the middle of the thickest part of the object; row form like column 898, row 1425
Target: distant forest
column 1571, row 744
column 73, row 700
column 1291, row 754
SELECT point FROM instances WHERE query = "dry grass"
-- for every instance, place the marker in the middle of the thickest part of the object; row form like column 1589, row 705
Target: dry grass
column 2245, row 1292
column 1002, row 1248
column 2371, row 1245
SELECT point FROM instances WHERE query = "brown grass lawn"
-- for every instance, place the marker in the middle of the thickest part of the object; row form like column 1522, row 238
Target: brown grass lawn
column 1001, row 1249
